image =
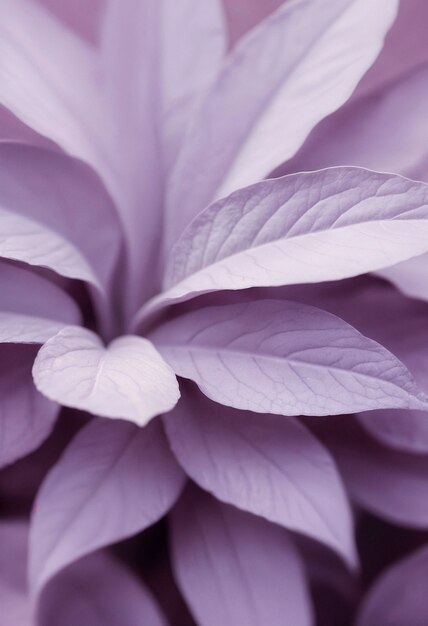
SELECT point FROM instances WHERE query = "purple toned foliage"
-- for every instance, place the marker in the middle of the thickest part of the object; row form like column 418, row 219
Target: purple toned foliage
column 399, row 596
column 234, row 568
column 229, row 192
column 112, row 481
column 267, row 465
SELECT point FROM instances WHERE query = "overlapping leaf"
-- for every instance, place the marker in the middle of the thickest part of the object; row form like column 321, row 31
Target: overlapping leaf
column 302, row 228
column 98, row 591
column 378, row 310
column 113, row 481
column 48, row 78
column 303, row 53
column 389, row 483
column 233, row 568
column 60, row 204
column 26, row 416
column 276, row 356
column 399, row 595
column 267, row 465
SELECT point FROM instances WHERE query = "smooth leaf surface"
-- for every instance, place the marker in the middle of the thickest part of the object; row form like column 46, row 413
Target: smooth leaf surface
column 189, row 64
column 303, row 53
column 233, row 568
column 267, row 465
column 410, row 277
column 26, row 293
column 400, row 53
column 128, row 379
column 399, row 595
column 390, row 484
column 26, row 416
column 113, row 481
column 399, row 429
column 26, row 240
column 98, row 591
column 158, row 55
column 32, row 308
column 131, row 54
column 48, row 78
column 303, row 228
column 17, row 328
column 359, row 133
column 277, row 356
column 58, row 211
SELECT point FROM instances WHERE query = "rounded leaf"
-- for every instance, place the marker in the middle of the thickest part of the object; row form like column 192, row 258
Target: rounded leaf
column 127, row 380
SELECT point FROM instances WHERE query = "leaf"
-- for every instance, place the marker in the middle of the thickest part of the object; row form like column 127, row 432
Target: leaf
column 399, row 595
column 303, row 53
column 48, row 78
column 400, row 54
column 270, row 466
column 153, row 74
column 377, row 310
column 410, row 277
column 390, row 484
column 188, row 65
column 32, row 308
column 16, row 328
column 98, row 591
column 359, row 133
column 26, row 240
column 128, row 379
column 113, row 481
column 130, row 56
column 15, row 606
column 233, row 568
column 275, row 356
column 56, row 213
column 403, row 430
column 26, row 417
column 303, row 228
column 28, row 293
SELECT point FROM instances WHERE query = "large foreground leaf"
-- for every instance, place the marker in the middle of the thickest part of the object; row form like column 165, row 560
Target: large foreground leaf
column 302, row 228
column 275, row 356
